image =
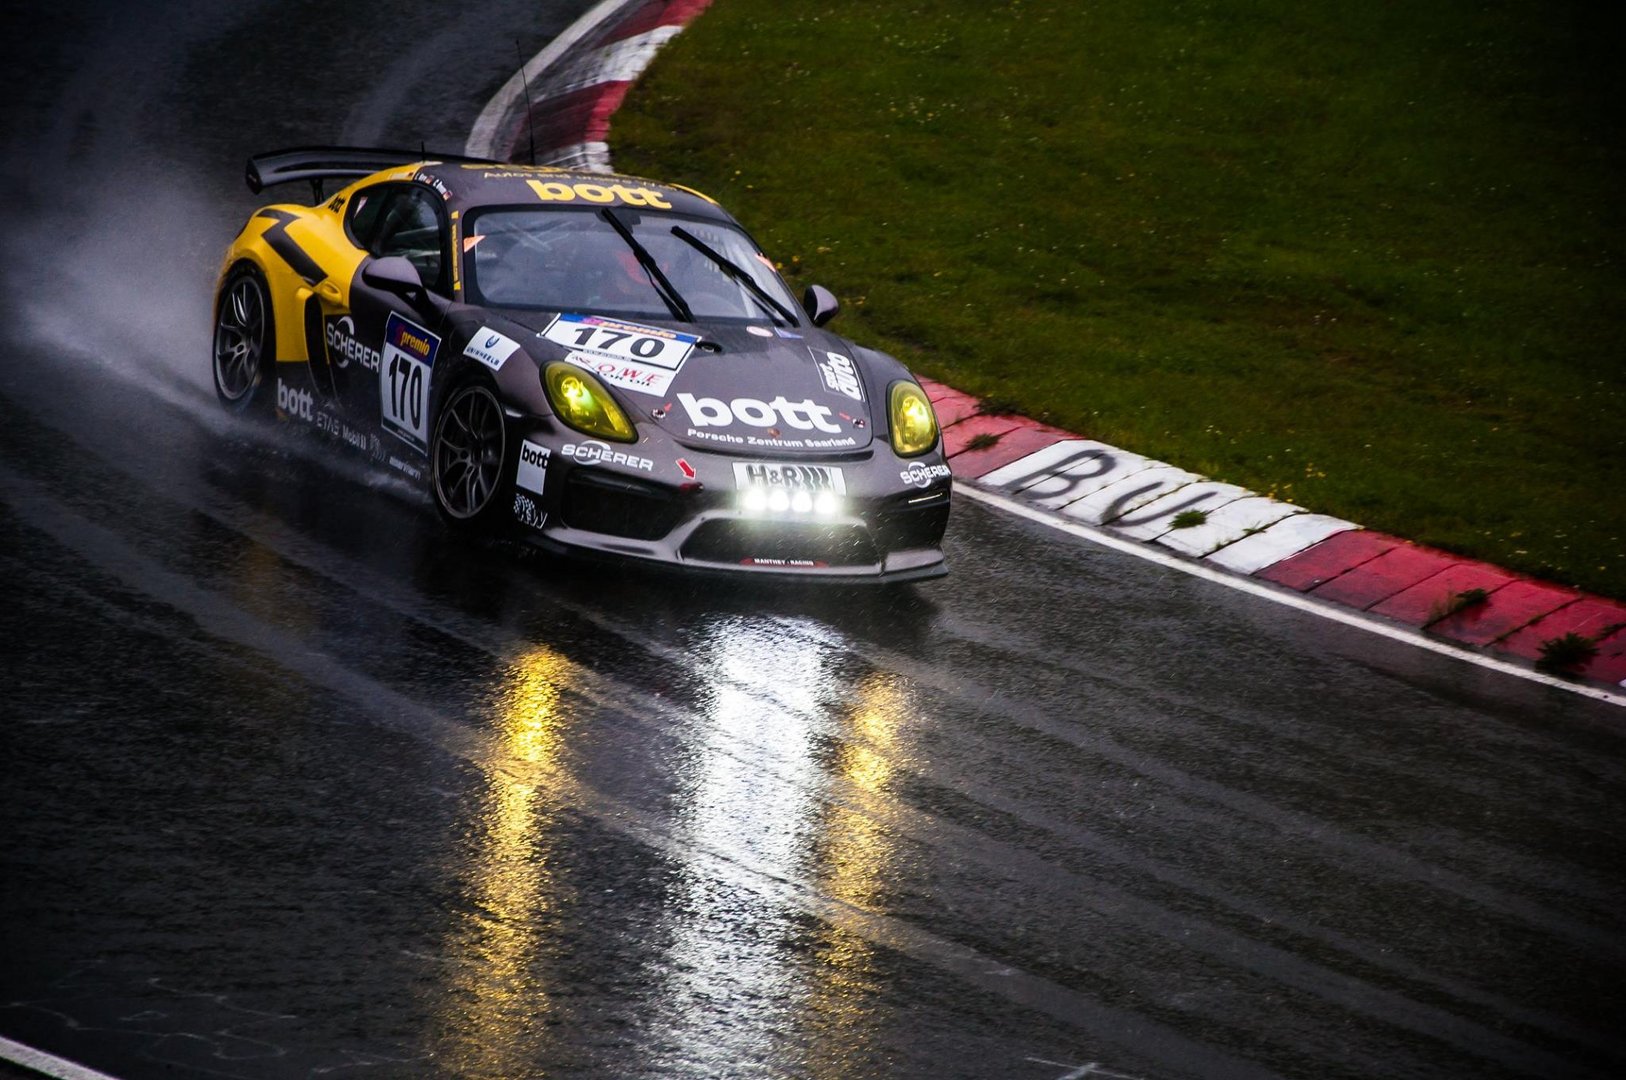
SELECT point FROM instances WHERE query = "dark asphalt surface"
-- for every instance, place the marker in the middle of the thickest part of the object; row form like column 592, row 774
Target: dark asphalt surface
column 297, row 785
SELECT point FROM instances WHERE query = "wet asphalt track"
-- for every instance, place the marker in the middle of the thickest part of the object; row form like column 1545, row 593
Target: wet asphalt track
column 295, row 785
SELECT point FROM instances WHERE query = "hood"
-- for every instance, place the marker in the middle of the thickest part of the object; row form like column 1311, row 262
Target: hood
column 803, row 395
column 752, row 389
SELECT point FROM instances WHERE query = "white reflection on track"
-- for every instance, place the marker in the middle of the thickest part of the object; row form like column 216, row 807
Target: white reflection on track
column 726, row 949
column 790, row 776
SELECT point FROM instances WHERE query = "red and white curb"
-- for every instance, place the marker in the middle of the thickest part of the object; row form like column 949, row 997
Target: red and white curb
column 561, row 100
column 1276, row 550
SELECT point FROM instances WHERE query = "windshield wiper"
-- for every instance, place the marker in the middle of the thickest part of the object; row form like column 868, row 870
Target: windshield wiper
column 663, row 287
column 758, row 293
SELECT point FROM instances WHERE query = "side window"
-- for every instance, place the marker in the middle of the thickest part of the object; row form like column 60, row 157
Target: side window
column 401, row 219
column 364, row 212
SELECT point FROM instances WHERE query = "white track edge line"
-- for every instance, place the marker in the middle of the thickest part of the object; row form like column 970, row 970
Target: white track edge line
column 1346, row 616
column 41, row 1062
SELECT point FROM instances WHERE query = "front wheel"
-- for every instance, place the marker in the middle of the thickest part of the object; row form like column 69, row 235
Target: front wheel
column 244, row 339
column 468, row 457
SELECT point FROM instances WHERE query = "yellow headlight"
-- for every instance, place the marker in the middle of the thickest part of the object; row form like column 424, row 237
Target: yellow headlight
column 914, row 425
column 582, row 402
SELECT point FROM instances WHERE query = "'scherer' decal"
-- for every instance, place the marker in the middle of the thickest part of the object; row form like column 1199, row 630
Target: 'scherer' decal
column 288, row 248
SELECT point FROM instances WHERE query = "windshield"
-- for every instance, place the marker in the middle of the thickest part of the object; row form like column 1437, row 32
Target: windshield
column 574, row 260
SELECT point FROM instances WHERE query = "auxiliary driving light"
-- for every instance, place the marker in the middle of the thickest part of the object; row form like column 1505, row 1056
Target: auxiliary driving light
column 758, row 501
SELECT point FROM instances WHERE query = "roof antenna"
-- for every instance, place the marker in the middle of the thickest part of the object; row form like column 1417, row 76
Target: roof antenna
column 530, row 127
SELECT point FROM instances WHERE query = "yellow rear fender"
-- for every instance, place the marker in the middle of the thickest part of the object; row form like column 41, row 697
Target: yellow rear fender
column 302, row 251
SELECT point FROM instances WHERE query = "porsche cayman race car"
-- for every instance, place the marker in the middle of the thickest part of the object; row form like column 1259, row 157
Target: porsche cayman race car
column 598, row 364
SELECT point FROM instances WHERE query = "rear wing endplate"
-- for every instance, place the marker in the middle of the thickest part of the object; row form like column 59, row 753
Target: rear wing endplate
column 316, row 164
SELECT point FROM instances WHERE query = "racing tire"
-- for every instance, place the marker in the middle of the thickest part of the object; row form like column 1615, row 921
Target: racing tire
column 245, row 340
column 468, row 458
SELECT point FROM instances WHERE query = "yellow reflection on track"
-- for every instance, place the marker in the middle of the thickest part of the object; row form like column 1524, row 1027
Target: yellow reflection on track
column 496, row 1012
column 858, row 853
column 786, row 776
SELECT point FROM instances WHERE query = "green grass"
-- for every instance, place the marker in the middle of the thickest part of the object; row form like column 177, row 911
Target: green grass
column 1366, row 257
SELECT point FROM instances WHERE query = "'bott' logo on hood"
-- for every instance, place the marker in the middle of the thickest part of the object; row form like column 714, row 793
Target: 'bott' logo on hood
column 804, row 415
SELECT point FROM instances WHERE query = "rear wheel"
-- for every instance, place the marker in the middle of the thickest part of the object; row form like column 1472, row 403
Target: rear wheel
column 244, row 339
column 468, row 457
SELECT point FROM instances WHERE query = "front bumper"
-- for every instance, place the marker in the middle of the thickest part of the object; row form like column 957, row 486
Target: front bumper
column 876, row 537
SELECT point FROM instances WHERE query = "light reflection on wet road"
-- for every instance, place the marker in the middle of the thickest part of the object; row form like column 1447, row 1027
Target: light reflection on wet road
column 299, row 784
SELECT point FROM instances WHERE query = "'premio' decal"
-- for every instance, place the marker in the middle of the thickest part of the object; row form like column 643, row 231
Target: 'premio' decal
column 403, row 384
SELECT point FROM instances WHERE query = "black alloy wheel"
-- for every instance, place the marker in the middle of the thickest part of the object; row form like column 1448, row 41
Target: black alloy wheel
column 468, row 456
column 244, row 335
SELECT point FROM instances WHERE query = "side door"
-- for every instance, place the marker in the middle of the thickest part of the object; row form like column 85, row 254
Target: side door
column 388, row 344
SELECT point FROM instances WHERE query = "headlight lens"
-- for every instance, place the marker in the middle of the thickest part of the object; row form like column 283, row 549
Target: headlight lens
column 582, row 402
column 914, row 425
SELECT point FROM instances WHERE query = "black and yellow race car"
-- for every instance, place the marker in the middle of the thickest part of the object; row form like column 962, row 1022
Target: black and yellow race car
column 598, row 363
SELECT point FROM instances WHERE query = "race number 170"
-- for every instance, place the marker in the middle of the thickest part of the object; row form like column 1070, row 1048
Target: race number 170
column 405, row 393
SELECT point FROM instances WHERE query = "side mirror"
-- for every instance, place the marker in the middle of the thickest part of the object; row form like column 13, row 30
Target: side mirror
column 393, row 274
column 820, row 304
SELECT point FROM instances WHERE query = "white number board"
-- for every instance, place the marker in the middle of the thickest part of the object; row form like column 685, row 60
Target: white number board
column 612, row 339
column 403, row 380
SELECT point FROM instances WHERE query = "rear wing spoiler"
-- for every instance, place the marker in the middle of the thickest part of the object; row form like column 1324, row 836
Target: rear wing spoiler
column 316, row 164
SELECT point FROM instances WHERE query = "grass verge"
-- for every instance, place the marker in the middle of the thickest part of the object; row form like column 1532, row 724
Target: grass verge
column 1365, row 258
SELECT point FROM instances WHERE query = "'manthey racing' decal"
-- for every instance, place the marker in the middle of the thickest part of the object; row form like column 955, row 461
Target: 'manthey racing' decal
column 644, row 359
column 403, row 384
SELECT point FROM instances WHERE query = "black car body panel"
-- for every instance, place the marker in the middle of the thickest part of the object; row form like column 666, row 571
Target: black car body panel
column 731, row 433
